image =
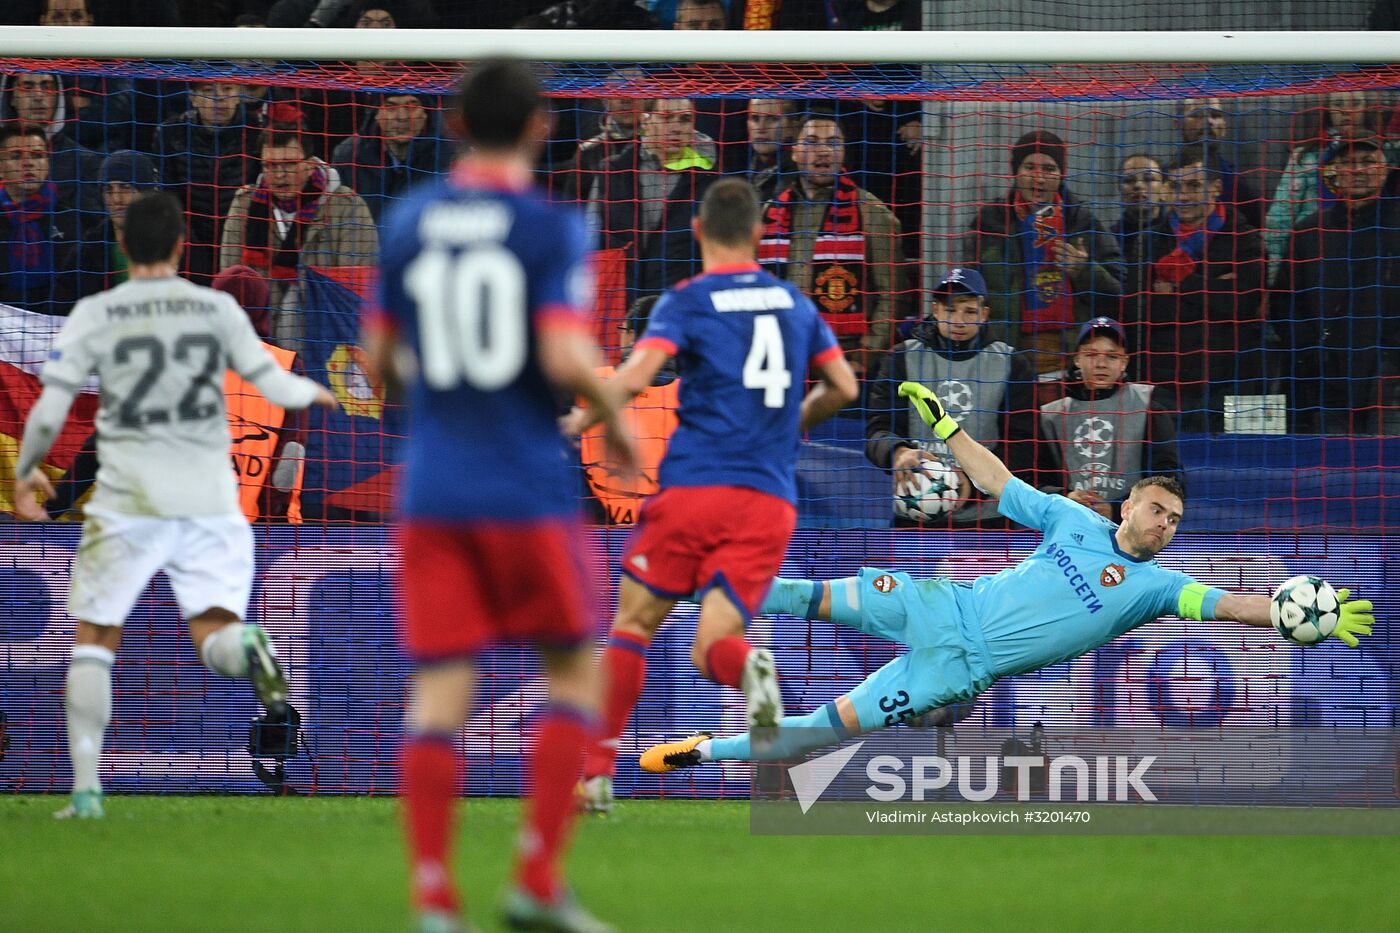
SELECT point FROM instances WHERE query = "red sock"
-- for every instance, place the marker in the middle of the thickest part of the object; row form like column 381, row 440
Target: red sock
column 726, row 658
column 429, row 790
column 624, row 674
column 556, row 760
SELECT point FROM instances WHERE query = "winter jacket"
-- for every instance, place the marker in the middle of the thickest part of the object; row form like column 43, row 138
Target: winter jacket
column 205, row 166
column 342, row 233
column 1337, row 305
column 377, row 176
column 882, row 256
column 48, row 294
column 1135, row 238
column 663, row 252
column 575, row 181
column 98, row 262
column 993, row 246
column 1237, row 189
column 1297, row 196
column 1209, row 327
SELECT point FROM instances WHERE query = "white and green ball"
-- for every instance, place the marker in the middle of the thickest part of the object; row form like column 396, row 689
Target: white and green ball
column 932, row 492
column 1305, row 609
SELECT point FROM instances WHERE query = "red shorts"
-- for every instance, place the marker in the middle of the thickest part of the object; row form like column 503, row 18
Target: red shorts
column 466, row 587
column 691, row 538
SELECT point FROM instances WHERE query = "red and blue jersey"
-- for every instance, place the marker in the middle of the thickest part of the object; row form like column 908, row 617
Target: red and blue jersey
column 472, row 270
column 743, row 342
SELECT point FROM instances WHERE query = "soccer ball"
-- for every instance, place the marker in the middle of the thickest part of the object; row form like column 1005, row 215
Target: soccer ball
column 932, row 492
column 1304, row 609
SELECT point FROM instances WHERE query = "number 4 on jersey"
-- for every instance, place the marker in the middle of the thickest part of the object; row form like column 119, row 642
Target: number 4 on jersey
column 766, row 365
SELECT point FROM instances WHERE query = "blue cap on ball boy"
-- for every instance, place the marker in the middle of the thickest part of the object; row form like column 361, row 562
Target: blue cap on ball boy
column 1106, row 326
column 962, row 280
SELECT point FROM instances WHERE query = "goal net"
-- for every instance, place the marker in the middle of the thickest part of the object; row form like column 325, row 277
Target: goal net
column 960, row 207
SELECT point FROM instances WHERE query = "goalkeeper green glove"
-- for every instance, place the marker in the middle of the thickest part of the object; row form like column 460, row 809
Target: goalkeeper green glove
column 930, row 409
column 1355, row 619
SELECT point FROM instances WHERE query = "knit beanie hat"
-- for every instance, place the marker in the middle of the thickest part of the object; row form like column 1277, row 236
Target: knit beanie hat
column 1039, row 141
column 132, row 167
column 249, row 288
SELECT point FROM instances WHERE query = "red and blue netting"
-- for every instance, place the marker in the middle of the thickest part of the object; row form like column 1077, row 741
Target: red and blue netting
column 932, row 81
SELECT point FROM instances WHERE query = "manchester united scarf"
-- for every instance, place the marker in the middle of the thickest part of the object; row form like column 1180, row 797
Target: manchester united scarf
column 839, row 282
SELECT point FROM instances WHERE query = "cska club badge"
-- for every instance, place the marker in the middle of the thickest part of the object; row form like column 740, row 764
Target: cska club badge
column 1112, row 575
column 884, row 583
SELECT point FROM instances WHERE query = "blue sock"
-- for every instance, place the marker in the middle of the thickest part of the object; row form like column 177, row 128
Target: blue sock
column 796, row 734
column 799, row 598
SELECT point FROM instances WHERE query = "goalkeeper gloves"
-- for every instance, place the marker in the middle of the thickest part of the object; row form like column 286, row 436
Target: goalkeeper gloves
column 930, row 409
column 1355, row 619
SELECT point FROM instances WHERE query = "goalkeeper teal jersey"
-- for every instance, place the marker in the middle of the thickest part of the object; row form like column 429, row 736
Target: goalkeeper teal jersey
column 1076, row 592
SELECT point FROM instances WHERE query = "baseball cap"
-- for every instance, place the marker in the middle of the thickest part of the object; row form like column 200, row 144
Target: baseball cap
column 960, row 279
column 1102, row 325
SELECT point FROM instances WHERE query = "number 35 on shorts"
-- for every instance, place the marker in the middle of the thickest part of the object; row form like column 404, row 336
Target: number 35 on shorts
column 896, row 707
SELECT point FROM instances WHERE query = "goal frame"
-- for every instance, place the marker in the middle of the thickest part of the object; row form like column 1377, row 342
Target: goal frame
column 614, row 45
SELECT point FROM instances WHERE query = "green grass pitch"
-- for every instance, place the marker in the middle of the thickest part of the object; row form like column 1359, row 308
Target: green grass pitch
column 265, row 864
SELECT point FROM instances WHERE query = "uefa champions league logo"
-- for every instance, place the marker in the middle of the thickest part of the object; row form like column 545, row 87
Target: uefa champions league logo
column 1092, row 437
column 956, row 396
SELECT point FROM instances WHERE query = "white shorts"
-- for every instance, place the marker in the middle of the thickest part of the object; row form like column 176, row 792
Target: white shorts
column 207, row 559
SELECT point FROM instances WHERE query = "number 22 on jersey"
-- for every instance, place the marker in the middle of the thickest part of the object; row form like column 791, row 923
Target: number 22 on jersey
column 472, row 319
column 765, row 368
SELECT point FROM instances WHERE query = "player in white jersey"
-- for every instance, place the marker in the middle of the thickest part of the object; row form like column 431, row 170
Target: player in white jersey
column 166, row 496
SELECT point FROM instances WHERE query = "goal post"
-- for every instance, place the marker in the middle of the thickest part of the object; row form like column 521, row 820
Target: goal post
column 627, row 46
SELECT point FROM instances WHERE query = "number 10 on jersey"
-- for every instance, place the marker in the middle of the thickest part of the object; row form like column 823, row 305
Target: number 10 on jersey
column 471, row 316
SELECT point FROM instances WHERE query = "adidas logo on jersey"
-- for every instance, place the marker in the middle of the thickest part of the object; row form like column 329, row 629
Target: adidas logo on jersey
column 1078, row 538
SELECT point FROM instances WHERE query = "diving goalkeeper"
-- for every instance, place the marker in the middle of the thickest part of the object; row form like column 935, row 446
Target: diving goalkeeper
column 1088, row 582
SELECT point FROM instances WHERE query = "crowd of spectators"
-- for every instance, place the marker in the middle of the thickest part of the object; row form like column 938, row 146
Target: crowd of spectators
column 1213, row 289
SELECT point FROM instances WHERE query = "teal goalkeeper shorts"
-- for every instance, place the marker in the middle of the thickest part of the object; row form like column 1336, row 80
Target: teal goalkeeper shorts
column 943, row 664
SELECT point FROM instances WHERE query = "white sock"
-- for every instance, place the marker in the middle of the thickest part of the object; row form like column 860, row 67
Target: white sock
column 88, row 705
column 704, row 749
column 223, row 652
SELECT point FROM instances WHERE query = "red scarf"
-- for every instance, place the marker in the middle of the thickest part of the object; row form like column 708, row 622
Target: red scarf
column 1047, row 302
column 1190, row 247
column 839, row 273
column 263, row 248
